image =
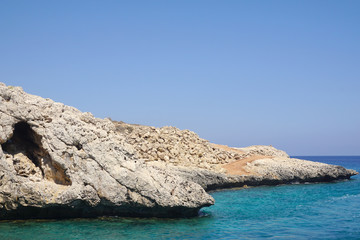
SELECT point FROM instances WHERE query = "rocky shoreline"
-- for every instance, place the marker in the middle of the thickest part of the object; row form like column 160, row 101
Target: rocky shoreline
column 58, row 162
column 215, row 166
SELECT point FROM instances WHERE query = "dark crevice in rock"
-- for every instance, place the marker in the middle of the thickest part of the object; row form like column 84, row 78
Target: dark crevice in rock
column 26, row 148
column 78, row 146
column 6, row 98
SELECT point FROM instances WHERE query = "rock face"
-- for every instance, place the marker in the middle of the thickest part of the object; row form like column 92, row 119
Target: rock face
column 266, row 171
column 264, row 151
column 176, row 147
column 216, row 166
column 297, row 170
column 56, row 161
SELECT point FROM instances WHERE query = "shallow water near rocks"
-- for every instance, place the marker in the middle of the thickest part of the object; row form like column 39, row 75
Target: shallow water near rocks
column 297, row 211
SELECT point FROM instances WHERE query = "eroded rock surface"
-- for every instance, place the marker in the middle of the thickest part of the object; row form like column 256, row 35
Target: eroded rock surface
column 176, row 147
column 263, row 151
column 265, row 171
column 56, row 161
column 216, row 166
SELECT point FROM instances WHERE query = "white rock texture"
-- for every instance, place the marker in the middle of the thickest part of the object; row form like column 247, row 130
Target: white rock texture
column 297, row 170
column 175, row 147
column 56, row 161
column 187, row 155
column 264, row 151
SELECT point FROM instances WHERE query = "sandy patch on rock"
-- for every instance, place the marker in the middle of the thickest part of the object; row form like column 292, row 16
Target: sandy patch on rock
column 238, row 167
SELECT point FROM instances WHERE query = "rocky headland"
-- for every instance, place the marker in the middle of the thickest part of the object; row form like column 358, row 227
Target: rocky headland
column 215, row 166
column 58, row 162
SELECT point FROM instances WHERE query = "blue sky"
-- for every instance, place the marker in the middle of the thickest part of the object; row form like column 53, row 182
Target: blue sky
column 281, row 73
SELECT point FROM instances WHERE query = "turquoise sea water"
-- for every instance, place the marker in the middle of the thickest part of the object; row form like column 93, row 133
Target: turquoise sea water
column 300, row 211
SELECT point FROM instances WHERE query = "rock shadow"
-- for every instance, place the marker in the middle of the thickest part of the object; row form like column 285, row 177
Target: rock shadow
column 29, row 156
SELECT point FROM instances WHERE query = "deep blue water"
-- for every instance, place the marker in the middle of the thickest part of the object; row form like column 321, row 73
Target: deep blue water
column 302, row 211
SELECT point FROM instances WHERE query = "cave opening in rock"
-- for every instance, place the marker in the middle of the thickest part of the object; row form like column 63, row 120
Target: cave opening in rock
column 27, row 142
column 23, row 141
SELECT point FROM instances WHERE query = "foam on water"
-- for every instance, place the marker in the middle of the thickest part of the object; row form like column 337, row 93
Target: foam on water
column 346, row 196
column 297, row 211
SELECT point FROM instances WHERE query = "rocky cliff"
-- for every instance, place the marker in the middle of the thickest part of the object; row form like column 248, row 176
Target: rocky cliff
column 215, row 166
column 57, row 162
column 185, row 148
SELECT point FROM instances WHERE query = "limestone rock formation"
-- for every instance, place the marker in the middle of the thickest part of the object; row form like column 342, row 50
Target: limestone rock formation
column 264, row 171
column 263, row 151
column 297, row 170
column 216, row 166
column 176, row 147
column 56, row 161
